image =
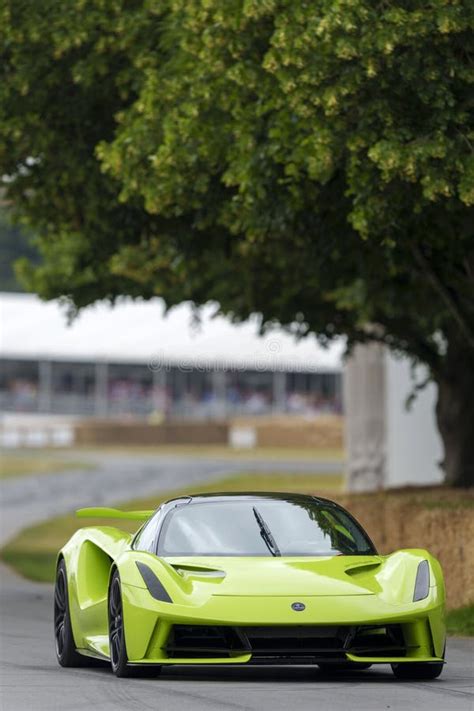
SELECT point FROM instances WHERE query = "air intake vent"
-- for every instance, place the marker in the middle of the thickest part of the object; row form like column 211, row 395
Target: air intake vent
column 284, row 642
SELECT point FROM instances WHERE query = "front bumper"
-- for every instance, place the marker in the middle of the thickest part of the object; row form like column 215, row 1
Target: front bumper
column 359, row 628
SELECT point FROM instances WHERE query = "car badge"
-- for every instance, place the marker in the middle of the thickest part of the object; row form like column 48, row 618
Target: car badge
column 298, row 606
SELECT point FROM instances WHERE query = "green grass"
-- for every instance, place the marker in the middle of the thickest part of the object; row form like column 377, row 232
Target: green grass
column 13, row 465
column 461, row 621
column 225, row 452
column 34, row 566
column 32, row 553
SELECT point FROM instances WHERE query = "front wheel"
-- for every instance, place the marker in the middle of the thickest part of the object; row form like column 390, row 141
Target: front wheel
column 118, row 651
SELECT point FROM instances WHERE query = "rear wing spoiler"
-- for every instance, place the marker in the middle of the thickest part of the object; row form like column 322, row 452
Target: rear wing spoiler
column 104, row 512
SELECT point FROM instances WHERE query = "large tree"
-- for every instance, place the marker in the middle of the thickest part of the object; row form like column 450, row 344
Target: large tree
column 14, row 243
column 310, row 161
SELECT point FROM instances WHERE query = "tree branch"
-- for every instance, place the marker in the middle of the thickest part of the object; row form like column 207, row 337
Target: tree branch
column 397, row 335
column 445, row 294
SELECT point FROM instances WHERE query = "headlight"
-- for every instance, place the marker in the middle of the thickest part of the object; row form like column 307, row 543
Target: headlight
column 422, row 582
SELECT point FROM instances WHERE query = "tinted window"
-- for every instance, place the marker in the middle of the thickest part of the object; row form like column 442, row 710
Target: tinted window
column 145, row 540
column 241, row 528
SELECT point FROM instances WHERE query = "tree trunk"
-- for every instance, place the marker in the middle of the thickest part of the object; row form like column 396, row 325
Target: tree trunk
column 455, row 414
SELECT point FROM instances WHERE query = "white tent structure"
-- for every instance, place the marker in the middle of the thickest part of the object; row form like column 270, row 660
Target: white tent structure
column 196, row 359
column 142, row 331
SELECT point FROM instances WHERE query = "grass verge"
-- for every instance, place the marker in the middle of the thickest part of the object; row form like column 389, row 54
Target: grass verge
column 461, row 621
column 224, row 452
column 32, row 553
column 13, row 465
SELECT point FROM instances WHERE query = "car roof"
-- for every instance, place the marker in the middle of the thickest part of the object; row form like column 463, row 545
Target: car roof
column 249, row 496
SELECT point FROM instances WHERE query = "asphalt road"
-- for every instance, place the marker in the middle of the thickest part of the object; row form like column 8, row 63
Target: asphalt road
column 31, row 680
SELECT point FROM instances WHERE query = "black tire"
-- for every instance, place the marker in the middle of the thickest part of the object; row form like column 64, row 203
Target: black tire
column 328, row 668
column 418, row 670
column 66, row 653
column 118, row 651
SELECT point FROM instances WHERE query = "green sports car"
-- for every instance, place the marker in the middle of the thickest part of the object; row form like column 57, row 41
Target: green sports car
column 246, row 579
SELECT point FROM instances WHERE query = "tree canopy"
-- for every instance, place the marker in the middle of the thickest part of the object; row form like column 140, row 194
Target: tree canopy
column 14, row 243
column 311, row 161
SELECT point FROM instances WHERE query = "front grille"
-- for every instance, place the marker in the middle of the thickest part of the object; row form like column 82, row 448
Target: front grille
column 295, row 640
column 311, row 642
column 203, row 641
column 383, row 641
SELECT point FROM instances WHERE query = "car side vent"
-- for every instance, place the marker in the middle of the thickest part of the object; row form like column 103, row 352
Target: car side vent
column 155, row 587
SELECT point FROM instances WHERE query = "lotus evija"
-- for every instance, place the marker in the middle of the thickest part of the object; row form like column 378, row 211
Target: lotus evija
column 246, row 579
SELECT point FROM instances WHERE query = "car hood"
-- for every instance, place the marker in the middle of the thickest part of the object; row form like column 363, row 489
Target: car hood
column 264, row 576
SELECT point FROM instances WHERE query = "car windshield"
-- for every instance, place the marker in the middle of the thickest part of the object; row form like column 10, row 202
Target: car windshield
column 262, row 527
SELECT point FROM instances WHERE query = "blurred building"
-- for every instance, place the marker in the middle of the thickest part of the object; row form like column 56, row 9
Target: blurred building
column 136, row 360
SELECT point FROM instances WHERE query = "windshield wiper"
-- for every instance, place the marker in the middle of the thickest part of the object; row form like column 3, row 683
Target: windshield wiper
column 266, row 534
